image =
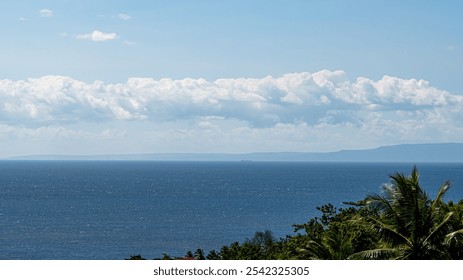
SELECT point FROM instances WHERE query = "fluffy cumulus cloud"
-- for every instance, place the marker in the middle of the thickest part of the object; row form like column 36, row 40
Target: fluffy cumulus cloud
column 98, row 36
column 46, row 13
column 298, row 111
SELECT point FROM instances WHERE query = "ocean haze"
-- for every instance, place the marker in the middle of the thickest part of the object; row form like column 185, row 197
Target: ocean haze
column 445, row 152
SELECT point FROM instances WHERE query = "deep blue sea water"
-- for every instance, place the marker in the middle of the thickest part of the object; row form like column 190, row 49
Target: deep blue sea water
column 112, row 210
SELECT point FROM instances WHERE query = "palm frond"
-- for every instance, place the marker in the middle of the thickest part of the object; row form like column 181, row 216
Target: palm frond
column 315, row 251
column 439, row 227
column 390, row 234
column 440, row 194
column 375, row 254
column 453, row 235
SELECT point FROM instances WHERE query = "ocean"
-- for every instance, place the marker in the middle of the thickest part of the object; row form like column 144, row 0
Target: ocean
column 115, row 209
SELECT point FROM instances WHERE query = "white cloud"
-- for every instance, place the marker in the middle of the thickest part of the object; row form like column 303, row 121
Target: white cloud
column 23, row 19
column 297, row 111
column 97, row 36
column 46, row 13
column 298, row 97
column 123, row 16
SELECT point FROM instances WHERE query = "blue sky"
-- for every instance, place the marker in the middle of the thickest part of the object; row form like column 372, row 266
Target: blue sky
column 85, row 77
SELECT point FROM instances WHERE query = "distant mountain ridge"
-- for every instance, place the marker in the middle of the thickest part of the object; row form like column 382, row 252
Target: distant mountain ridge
column 445, row 152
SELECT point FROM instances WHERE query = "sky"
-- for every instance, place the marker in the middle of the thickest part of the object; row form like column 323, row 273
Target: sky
column 128, row 77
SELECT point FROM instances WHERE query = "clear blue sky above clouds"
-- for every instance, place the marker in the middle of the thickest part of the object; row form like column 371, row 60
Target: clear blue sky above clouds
column 83, row 77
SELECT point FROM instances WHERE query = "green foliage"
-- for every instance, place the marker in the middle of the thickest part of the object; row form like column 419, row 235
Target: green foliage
column 199, row 255
column 454, row 240
column 336, row 235
column 136, row 258
column 213, row 255
column 262, row 246
column 410, row 224
column 166, row 257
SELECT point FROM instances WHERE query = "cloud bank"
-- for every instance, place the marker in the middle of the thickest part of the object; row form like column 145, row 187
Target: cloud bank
column 297, row 111
column 321, row 98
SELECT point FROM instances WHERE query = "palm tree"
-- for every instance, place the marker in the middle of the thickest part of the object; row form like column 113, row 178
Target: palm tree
column 336, row 245
column 335, row 236
column 455, row 240
column 199, row 255
column 410, row 224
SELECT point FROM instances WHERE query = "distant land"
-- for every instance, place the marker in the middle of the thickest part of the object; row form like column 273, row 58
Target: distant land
column 447, row 152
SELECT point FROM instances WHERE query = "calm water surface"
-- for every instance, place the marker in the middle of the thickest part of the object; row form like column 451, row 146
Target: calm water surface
column 112, row 210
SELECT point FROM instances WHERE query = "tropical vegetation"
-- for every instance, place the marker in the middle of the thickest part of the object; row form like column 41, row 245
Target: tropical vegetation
column 402, row 222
